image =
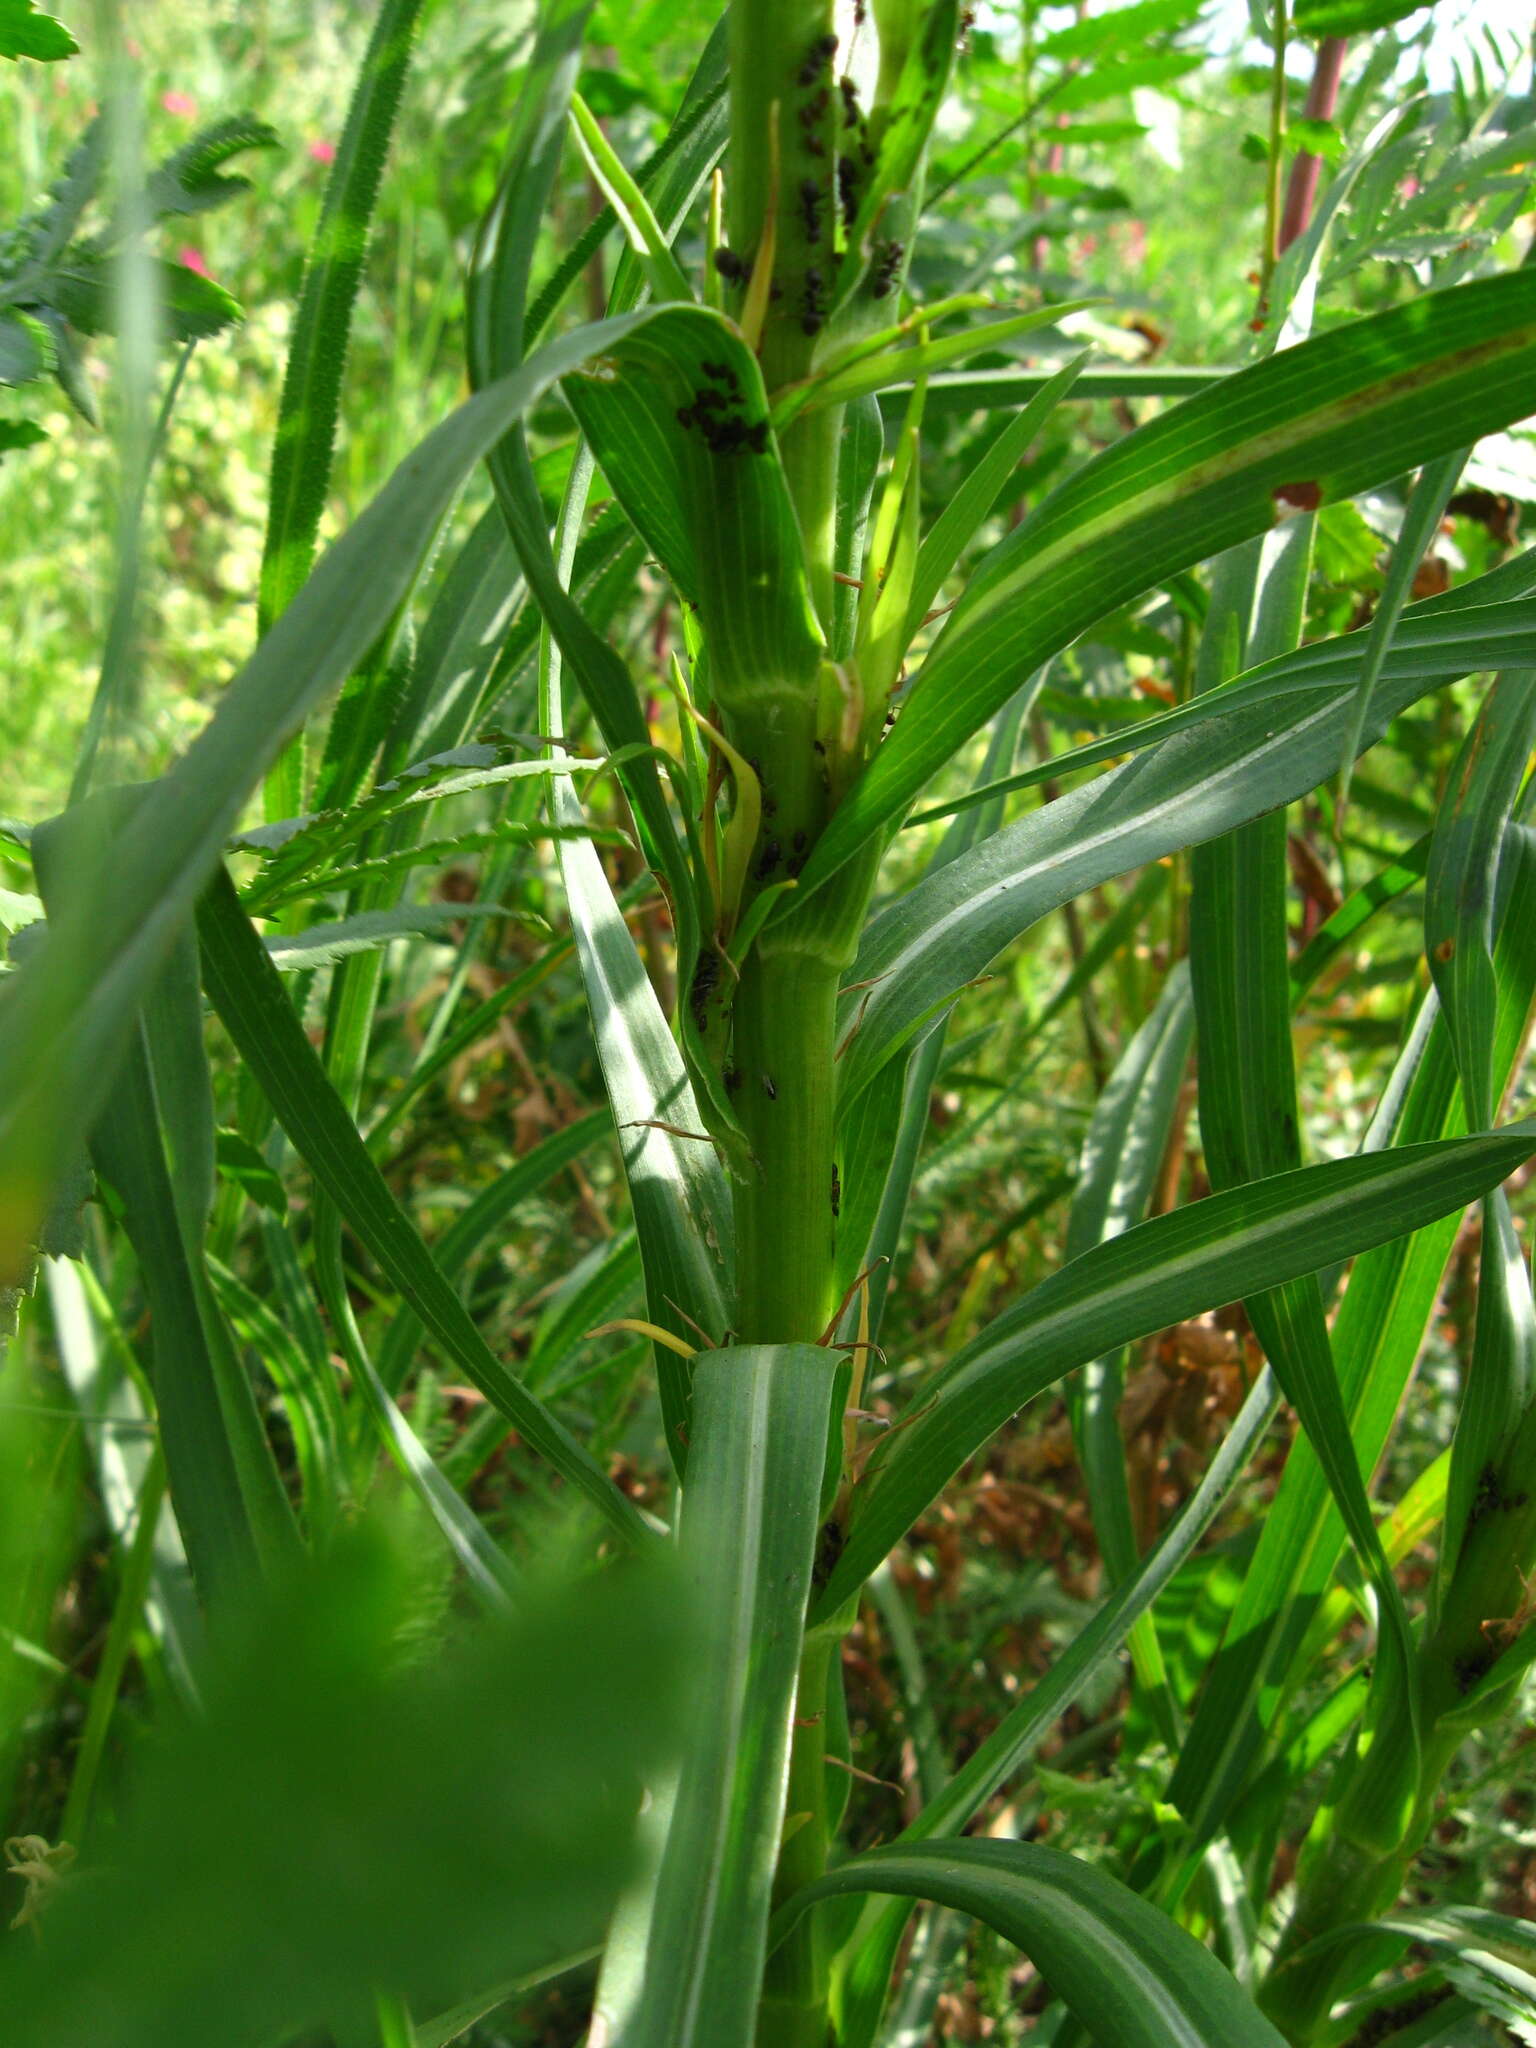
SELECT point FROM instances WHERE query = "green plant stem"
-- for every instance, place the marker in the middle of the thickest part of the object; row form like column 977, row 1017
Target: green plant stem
column 782, row 172
column 785, row 1019
column 794, row 2006
column 1340, row 1882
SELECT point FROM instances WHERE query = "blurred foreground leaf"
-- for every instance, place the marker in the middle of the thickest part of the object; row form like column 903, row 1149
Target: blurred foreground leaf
column 367, row 1801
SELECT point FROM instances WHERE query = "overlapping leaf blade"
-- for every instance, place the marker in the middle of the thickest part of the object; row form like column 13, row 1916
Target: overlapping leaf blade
column 1123, row 1968
column 63, row 1022
column 1324, row 420
column 943, row 933
column 747, row 1540
column 1176, row 1266
column 249, row 996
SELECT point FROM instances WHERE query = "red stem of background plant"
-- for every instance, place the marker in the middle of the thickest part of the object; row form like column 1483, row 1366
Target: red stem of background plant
column 1322, row 98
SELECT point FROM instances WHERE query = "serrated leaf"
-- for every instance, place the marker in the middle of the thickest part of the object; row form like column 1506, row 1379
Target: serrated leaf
column 27, row 32
column 16, row 434
column 26, row 350
column 192, row 180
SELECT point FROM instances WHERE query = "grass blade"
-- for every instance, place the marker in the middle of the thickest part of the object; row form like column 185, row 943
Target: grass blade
column 64, row 1021
column 1124, row 1969
column 1237, row 1243
column 1328, row 418
column 248, row 994
column 307, row 411
column 946, row 931
column 747, row 1539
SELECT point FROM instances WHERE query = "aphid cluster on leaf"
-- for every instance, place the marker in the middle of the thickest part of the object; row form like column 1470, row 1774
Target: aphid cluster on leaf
column 716, row 412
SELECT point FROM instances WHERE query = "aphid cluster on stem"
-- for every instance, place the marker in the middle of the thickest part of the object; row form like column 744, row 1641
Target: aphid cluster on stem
column 810, row 208
column 848, row 190
column 716, row 412
column 813, row 304
column 706, row 977
column 1489, row 1497
column 817, row 60
column 810, row 118
column 837, row 1192
column 733, row 268
column 1473, row 1666
column 829, row 1548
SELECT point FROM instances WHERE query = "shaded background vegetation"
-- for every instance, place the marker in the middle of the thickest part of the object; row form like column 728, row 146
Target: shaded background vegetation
column 1152, row 197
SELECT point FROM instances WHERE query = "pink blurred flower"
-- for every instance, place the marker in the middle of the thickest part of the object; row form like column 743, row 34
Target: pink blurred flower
column 181, row 103
column 323, row 152
column 193, row 259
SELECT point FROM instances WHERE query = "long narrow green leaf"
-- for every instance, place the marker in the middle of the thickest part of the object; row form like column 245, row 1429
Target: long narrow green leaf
column 671, row 179
column 1250, row 1127
column 1359, row 906
column 946, row 540
column 998, row 1760
column 644, row 232
column 486, row 1214
column 970, row 391
column 204, row 1467
column 1460, row 893
column 1234, row 1244
column 154, row 1144
column 1440, row 640
column 1321, row 421
column 1126, row 1971
column 1122, row 1153
column 747, row 1538
column 1421, row 522
column 946, row 931
column 248, row 994
column 879, row 1177
column 307, row 411
column 63, row 1021
column 682, row 1207
column 1377, row 1336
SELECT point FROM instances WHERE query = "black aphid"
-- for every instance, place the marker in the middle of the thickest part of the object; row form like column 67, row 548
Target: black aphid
column 813, row 306
column 887, row 263
column 810, row 209
column 706, row 975
column 848, row 189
